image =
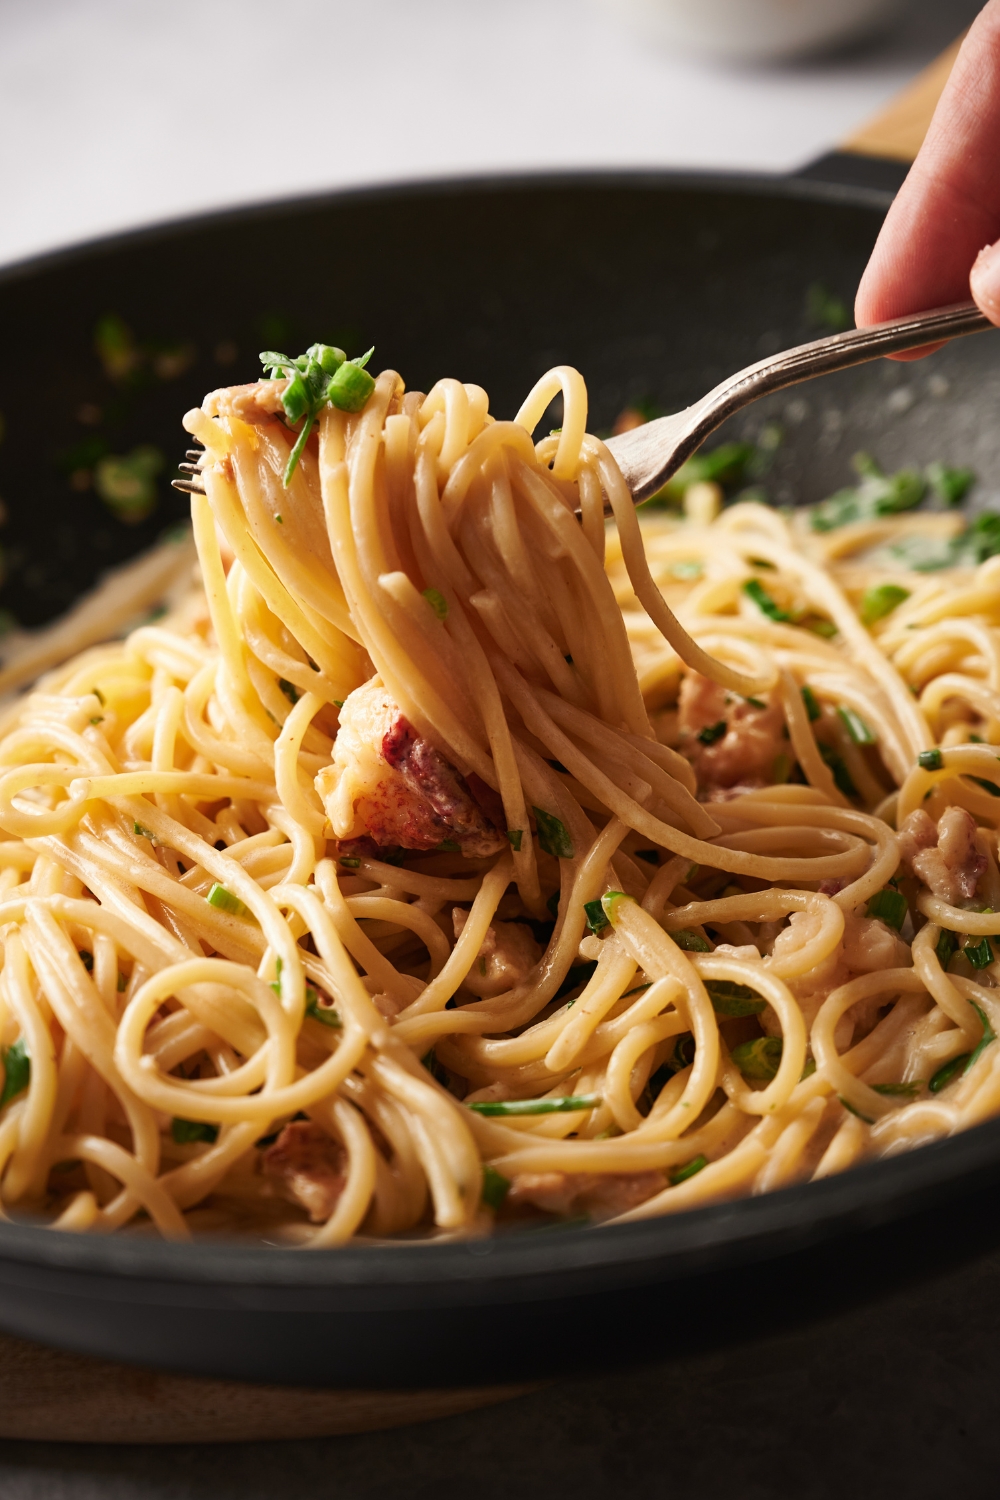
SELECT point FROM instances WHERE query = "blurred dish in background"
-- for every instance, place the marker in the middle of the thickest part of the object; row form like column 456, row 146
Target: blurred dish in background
column 757, row 30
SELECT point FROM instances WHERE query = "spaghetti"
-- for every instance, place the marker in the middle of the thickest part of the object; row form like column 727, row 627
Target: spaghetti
column 445, row 858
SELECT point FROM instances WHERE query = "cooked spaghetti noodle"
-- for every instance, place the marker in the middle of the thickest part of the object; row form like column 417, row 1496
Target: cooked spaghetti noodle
column 426, row 868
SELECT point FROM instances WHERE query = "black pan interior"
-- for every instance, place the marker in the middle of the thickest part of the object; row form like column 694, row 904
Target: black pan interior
column 654, row 287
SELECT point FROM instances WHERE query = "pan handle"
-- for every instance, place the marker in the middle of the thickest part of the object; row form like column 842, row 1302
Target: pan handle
column 879, row 154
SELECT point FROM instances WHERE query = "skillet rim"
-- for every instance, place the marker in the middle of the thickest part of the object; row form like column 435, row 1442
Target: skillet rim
column 876, row 1194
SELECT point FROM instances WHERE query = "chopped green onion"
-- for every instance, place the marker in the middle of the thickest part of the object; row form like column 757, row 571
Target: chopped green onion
column 185, row 1132
column 495, row 1187
column 327, row 1015
column 224, row 900
column 514, row 837
column 712, row 732
column 930, row 760
column 638, row 989
column 552, row 835
column 755, row 702
column 596, row 917
column 567, row 1105
column 350, row 388
column 812, row 706
column 141, row 831
column 853, row 1109
column 759, row 1059
column 691, row 1169
column 281, row 521
column 729, row 999
column 349, row 861
column 945, row 950
column 837, row 764
column 691, row 942
column 16, row 1070
column 856, row 727
column 980, row 956
column 987, row 786
column 97, row 719
column 289, row 689
column 988, row 1036
column 891, row 1090
column 755, row 590
column 889, row 906
column 808, row 1068
column 881, row 601
column 825, row 628
column 949, row 1070
column 87, row 959
column 99, row 696
column 437, row 602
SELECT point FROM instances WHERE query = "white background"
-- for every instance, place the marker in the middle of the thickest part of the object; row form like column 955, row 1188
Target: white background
column 119, row 112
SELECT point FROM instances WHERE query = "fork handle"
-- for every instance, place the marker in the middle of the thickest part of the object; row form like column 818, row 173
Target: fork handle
column 649, row 458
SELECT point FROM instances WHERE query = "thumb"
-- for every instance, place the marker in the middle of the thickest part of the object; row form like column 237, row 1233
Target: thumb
column 984, row 282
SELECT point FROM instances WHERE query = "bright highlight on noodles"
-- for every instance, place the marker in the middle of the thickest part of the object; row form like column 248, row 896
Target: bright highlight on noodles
column 447, row 859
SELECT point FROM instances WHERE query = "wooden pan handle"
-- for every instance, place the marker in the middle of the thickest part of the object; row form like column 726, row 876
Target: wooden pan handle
column 898, row 131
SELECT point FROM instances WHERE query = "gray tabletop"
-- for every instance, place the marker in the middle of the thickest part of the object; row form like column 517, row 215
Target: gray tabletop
column 899, row 1398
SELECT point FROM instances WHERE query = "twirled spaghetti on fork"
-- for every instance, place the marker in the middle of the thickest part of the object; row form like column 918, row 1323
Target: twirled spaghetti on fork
column 426, row 867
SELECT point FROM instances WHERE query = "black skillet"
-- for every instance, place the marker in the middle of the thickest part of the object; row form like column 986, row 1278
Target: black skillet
column 655, row 287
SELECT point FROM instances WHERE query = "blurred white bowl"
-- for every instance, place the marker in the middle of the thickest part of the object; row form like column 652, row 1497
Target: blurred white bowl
column 756, row 30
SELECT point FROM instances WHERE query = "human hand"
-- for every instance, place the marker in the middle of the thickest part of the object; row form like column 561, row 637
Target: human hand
column 929, row 252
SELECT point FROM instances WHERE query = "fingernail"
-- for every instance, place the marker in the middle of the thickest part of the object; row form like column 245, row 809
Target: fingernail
column 984, row 281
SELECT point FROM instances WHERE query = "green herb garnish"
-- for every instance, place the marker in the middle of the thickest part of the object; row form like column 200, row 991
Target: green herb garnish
column 141, row 831
column 224, row 900
column 979, row 541
column 859, row 731
column 289, row 689
column 327, row 1015
column 186, row 1131
column 853, row 1109
column 930, row 760
column 950, row 485
column 321, row 377
column 881, row 601
column 755, row 590
column 875, row 495
column 16, row 1070
column 888, row 906
column 987, row 786
column 514, row 837
column 596, row 917
column 691, row 942
column 567, row 1105
column 946, row 946
column 495, row 1187
column 980, row 956
column 712, row 732
column 902, row 1090
column 988, row 1036
column 552, row 835
column 812, row 706
column 87, row 959
column 437, row 602
column 729, row 999
column 837, row 764
column 690, row 1169
column 349, row 861
column 949, row 1070
column 760, row 1059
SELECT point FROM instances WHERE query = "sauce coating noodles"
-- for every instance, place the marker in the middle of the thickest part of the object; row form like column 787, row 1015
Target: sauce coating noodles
column 446, row 857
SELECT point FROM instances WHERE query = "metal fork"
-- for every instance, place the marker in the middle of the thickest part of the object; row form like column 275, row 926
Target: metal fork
column 650, row 455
